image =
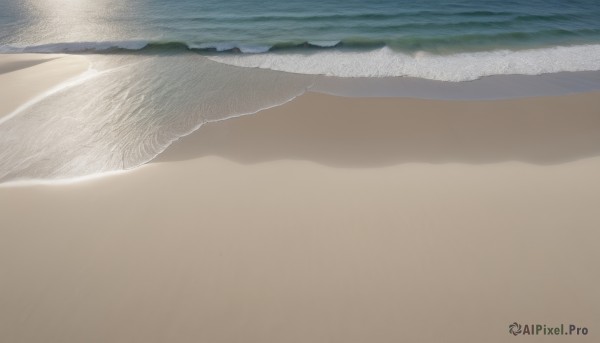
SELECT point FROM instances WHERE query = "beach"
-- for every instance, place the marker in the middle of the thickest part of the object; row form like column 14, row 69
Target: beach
column 325, row 219
column 24, row 77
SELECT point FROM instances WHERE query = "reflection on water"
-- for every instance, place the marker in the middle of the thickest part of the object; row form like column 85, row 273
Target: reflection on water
column 436, row 26
column 64, row 20
column 130, row 111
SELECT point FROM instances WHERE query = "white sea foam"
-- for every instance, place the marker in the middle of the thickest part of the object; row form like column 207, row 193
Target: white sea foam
column 253, row 49
column 325, row 44
column 385, row 62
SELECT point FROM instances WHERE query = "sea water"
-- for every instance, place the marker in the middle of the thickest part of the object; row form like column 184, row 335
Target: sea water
column 452, row 40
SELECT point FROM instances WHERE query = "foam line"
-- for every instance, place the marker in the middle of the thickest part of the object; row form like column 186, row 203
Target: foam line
column 385, row 62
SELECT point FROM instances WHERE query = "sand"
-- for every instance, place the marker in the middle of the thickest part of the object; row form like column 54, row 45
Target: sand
column 323, row 220
column 25, row 76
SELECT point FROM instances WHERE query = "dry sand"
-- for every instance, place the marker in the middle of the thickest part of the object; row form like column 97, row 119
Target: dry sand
column 324, row 220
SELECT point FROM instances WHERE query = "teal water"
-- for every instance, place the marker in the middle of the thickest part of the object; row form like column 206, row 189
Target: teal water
column 437, row 26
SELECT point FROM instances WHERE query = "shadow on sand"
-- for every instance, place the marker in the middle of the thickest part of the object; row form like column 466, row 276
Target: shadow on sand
column 363, row 133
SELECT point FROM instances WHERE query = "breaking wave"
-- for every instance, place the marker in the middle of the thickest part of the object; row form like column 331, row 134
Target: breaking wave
column 357, row 58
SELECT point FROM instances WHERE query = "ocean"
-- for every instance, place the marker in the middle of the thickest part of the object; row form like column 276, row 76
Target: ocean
column 330, row 37
column 161, row 69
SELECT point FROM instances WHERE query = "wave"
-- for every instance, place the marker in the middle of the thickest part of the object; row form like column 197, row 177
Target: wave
column 361, row 57
column 129, row 111
column 410, row 41
column 134, row 107
column 230, row 47
column 385, row 62
column 175, row 46
column 77, row 47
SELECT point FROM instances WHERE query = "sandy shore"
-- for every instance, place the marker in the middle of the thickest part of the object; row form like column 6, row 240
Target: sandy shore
column 25, row 76
column 324, row 220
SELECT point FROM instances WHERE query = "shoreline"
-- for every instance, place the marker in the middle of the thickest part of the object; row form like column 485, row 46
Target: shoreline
column 23, row 77
column 486, row 87
column 379, row 132
column 324, row 219
column 542, row 130
column 493, row 87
